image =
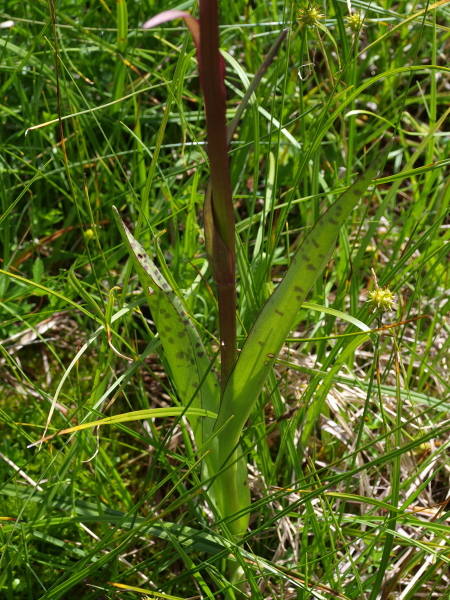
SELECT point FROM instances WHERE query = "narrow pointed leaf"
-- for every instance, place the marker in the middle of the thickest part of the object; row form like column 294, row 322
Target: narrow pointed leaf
column 132, row 588
column 231, row 129
column 278, row 315
column 137, row 415
column 187, row 358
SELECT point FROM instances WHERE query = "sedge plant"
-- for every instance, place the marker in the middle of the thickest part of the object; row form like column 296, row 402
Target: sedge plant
column 243, row 374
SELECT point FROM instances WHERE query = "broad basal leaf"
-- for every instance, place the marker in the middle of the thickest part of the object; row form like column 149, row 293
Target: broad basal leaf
column 185, row 354
column 278, row 315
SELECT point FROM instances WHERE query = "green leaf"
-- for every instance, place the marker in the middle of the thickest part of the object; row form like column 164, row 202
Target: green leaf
column 184, row 352
column 76, row 284
column 279, row 313
column 314, row 410
column 251, row 87
column 336, row 313
column 137, row 415
column 132, row 588
column 38, row 270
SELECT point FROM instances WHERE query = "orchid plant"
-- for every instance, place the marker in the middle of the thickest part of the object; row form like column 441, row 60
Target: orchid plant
column 243, row 373
column 218, row 407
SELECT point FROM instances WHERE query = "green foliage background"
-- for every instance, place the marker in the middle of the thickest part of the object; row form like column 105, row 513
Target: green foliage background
column 357, row 429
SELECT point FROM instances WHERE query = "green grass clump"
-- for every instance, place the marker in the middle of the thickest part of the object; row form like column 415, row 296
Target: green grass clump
column 347, row 444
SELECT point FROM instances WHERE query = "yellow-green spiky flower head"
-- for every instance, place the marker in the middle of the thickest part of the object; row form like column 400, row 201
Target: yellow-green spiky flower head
column 381, row 299
column 355, row 22
column 309, row 16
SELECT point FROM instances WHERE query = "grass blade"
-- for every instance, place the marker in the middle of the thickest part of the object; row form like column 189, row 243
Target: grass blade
column 136, row 415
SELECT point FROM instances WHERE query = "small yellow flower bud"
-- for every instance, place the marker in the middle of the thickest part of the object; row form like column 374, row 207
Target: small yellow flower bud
column 89, row 234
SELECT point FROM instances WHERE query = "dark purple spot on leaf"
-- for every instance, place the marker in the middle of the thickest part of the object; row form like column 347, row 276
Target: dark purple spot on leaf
column 311, row 267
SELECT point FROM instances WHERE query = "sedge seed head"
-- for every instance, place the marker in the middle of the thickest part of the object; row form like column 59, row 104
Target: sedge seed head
column 381, row 299
column 355, row 22
column 309, row 16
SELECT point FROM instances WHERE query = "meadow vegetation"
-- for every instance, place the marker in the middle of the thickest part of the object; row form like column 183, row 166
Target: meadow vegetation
column 345, row 445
